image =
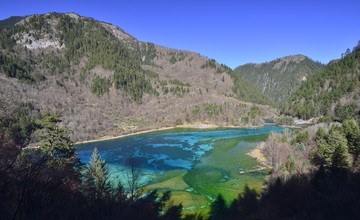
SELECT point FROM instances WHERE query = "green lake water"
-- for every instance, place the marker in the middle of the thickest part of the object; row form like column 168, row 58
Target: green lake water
column 196, row 165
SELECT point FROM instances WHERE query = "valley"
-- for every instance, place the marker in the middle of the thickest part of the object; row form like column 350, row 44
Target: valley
column 96, row 124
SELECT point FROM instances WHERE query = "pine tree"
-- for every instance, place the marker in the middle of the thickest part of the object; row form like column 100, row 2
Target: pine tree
column 96, row 178
column 341, row 157
column 333, row 151
column 352, row 134
column 54, row 140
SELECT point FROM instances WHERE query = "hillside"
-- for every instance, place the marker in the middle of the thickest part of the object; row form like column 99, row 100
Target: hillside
column 279, row 78
column 332, row 92
column 106, row 82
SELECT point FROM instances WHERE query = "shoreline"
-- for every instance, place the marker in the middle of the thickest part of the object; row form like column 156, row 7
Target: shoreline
column 106, row 138
column 194, row 126
column 257, row 154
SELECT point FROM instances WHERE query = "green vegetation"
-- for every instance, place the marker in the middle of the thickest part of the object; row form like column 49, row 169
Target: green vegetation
column 179, row 88
column 208, row 109
column 100, row 85
column 254, row 112
column 84, row 39
column 178, row 82
column 279, row 78
column 339, row 148
column 96, row 178
column 285, row 120
column 176, row 57
column 316, row 96
column 54, row 64
column 212, row 109
column 15, row 67
column 89, row 38
column 10, row 22
column 18, row 124
column 53, row 141
column 209, row 64
column 148, row 52
column 218, row 172
column 245, row 91
column 346, row 112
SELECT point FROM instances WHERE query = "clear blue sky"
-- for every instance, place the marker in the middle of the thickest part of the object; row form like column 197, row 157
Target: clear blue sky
column 233, row 32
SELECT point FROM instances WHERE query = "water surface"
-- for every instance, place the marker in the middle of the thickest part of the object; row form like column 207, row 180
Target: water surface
column 195, row 164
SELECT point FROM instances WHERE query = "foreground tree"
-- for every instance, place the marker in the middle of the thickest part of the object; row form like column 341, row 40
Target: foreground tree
column 96, row 178
column 352, row 134
column 53, row 140
column 333, row 150
column 136, row 187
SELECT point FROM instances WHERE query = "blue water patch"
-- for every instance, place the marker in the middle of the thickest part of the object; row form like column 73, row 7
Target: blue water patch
column 161, row 151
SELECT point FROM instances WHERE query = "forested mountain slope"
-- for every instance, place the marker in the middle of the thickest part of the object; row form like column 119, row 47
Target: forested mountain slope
column 105, row 82
column 279, row 78
column 333, row 92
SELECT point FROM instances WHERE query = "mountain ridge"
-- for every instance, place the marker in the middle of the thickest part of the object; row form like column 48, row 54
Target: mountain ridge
column 106, row 82
column 332, row 93
column 279, row 78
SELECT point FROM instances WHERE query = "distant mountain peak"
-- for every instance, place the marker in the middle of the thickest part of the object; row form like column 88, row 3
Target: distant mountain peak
column 279, row 78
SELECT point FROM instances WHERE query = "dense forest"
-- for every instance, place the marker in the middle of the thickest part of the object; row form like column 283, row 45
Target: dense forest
column 279, row 78
column 332, row 93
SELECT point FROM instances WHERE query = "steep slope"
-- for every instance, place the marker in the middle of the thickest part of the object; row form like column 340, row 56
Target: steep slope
column 279, row 78
column 333, row 92
column 105, row 82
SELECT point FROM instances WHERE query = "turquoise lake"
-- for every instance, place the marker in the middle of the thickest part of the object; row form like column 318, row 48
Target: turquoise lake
column 196, row 164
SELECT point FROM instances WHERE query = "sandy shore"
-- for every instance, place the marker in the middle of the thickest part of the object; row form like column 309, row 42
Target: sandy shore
column 259, row 156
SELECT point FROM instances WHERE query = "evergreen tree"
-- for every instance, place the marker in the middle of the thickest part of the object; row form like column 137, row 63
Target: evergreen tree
column 54, row 141
column 341, row 156
column 333, row 150
column 352, row 133
column 96, row 177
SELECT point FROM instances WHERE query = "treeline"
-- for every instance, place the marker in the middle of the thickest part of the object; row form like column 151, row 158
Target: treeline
column 320, row 93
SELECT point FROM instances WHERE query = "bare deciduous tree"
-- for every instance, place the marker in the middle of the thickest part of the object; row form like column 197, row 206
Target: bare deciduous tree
column 136, row 187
